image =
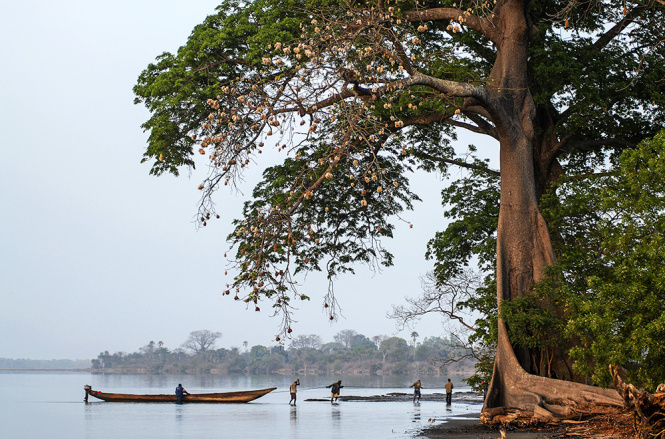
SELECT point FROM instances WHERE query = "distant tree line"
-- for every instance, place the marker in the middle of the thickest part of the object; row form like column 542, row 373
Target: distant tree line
column 23, row 363
column 349, row 353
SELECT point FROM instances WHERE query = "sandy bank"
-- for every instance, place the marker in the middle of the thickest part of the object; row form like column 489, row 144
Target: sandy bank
column 472, row 429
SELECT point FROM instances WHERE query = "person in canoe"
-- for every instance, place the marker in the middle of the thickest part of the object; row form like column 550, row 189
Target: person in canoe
column 293, row 390
column 180, row 392
column 334, row 390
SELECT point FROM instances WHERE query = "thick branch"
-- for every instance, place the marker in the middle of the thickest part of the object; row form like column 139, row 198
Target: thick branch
column 481, row 25
column 608, row 36
column 590, row 144
column 483, row 125
column 459, row 163
column 466, row 126
column 452, row 88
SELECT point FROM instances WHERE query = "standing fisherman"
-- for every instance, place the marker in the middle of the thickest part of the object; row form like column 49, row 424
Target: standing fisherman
column 293, row 390
column 334, row 391
column 449, row 392
column 416, row 390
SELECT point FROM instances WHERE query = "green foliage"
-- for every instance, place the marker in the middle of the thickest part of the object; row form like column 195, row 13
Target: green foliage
column 473, row 210
column 394, row 349
column 433, row 348
column 621, row 314
column 536, row 322
column 307, row 355
column 577, row 66
column 337, row 225
column 221, row 50
column 258, row 352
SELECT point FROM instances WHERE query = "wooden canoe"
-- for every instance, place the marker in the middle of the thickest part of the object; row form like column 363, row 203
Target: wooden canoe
column 225, row 397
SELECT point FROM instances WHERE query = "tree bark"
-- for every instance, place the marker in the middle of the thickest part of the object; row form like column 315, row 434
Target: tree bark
column 524, row 248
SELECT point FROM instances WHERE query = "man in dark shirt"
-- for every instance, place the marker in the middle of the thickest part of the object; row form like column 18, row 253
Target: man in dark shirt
column 179, row 393
column 334, row 391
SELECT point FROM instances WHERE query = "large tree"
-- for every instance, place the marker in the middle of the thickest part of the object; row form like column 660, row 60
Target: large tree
column 201, row 341
column 359, row 94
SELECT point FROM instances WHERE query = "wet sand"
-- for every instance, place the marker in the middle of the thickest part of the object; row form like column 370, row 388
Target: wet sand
column 461, row 426
column 472, row 429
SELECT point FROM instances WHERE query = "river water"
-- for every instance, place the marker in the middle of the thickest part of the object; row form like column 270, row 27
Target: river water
column 50, row 405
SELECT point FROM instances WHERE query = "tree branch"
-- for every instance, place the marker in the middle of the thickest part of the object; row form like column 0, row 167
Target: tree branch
column 481, row 25
column 459, row 163
column 608, row 36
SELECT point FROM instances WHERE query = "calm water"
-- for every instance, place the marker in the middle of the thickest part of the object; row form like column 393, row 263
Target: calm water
column 50, row 405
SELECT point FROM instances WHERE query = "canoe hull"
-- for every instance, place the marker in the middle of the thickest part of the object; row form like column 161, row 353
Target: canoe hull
column 225, row 397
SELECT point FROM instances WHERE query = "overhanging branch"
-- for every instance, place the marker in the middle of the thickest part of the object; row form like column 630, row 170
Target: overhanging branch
column 481, row 25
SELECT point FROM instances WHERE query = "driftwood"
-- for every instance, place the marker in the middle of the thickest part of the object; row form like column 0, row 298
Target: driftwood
column 648, row 410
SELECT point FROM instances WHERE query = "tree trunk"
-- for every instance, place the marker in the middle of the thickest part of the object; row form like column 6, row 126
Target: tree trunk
column 524, row 248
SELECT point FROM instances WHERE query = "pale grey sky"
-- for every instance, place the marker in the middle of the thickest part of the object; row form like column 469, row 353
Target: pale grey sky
column 95, row 254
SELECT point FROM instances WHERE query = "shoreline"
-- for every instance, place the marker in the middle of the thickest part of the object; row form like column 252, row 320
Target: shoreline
column 616, row 423
column 456, row 428
column 473, row 429
column 465, row 428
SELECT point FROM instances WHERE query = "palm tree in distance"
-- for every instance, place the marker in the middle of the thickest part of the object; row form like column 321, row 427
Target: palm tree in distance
column 414, row 336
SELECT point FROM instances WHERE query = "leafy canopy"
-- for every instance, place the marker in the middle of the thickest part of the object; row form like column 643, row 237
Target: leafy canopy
column 357, row 95
column 619, row 315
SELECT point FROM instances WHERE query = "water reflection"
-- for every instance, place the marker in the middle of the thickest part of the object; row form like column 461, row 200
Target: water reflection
column 416, row 412
column 179, row 423
column 336, row 417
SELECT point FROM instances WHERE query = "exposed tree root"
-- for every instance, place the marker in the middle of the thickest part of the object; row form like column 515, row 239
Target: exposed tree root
column 648, row 410
column 518, row 399
column 523, row 400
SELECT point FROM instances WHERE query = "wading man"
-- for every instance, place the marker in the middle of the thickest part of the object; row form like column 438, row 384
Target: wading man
column 293, row 390
column 334, row 391
column 416, row 390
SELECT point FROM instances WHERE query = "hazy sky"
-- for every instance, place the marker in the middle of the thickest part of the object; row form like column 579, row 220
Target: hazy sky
column 95, row 254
